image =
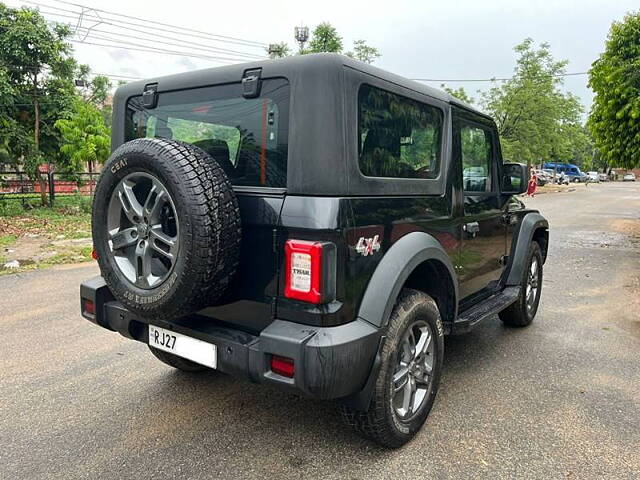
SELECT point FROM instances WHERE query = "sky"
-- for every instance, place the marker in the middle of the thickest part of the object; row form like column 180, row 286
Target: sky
column 466, row 39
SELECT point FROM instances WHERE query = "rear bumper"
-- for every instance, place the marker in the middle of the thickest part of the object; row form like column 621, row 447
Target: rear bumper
column 330, row 362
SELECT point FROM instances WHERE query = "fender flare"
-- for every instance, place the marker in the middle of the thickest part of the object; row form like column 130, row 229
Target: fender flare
column 394, row 269
column 529, row 224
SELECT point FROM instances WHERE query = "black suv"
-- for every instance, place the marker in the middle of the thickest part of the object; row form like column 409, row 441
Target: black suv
column 314, row 223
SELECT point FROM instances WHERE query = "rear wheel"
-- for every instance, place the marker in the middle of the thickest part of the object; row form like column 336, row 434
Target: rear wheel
column 409, row 375
column 522, row 312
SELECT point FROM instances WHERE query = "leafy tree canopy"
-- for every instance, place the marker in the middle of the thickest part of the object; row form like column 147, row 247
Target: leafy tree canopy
column 85, row 137
column 459, row 93
column 325, row 38
column 279, row 50
column 37, row 76
column 536, row 120
column 363, row 52
column 615, row 79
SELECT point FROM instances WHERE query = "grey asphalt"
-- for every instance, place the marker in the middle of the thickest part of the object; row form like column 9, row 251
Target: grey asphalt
column 560, row 399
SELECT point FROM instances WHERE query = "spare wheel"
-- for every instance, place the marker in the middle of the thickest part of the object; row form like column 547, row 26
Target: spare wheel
column 166, row 227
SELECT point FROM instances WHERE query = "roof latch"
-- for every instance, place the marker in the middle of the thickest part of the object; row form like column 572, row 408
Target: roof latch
column 251, row 83
column 150, row 95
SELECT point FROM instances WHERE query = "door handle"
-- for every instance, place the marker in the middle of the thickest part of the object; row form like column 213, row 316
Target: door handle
column 471, row 228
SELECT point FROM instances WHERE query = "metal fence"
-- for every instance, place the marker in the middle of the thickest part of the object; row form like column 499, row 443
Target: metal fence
column 19, row 186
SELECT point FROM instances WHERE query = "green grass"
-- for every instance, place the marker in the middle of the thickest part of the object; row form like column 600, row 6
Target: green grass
column 70, row 217
column 72, row 255
column 14, row 207
column 7, row 240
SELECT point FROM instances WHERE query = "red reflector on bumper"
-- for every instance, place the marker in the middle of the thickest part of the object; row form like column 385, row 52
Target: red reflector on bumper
column 94, row 254
column 89, row 307
column 283, row 366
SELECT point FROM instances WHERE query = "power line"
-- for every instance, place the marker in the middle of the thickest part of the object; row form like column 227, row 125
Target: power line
column 187, row 43
column 156, row 49
column 259, row 44
column 126, row 77
column 493, row 79
column 206, row 49
column 149, row 50
column 149, row 24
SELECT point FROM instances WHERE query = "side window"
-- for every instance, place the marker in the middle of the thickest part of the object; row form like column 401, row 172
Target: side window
column 475, row 149
column 398, row 137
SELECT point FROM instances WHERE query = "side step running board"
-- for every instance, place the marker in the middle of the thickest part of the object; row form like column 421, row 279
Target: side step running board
column 492, row 305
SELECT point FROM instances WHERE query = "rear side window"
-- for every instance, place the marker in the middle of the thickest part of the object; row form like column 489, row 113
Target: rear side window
column 398, row 137
column 247, row 136
column 475, row 146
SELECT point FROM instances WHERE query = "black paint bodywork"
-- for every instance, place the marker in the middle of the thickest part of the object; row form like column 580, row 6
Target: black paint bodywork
column 422, row 226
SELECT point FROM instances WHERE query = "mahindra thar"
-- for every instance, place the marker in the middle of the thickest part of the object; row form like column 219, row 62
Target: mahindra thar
column 313, row 223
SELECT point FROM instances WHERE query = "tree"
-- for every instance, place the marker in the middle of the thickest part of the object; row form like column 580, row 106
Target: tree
column 13, row 138
column 85, row 137
column 37, row 64
column 325, row 38
column 530, row 109
column 459, row 93
column 363, row 52
column 278, row 50
column 96, row 91
column 615, row 79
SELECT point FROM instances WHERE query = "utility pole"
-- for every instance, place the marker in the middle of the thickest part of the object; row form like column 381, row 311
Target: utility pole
column 302, row 35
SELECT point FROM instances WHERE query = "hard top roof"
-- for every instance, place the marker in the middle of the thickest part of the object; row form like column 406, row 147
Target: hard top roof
column 290, row 66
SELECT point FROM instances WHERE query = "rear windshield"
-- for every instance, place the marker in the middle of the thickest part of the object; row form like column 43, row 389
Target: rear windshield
column 247, row 136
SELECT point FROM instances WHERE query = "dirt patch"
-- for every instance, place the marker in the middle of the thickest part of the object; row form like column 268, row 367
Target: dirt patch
column 627, row 226
column 552, row 188
column 36, row 251
column 39, row 237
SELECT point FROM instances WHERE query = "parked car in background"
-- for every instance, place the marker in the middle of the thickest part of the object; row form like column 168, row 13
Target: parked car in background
column 629, row 177
column 550, row 175
column 603, row 177
column 571, row 171
column 593, row 177
column 542, row 177
column 558, row 178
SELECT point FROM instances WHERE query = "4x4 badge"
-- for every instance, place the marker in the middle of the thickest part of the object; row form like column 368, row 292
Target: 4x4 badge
column 368, row 246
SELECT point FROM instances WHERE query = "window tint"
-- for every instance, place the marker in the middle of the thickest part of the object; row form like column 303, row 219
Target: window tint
column 475, row 147
column 247, row 137
column 399, row 137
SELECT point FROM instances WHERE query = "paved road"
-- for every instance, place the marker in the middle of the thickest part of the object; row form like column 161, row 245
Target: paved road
column 560, row 399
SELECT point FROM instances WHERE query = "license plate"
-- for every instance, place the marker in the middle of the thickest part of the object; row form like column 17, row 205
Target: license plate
column 183, row 346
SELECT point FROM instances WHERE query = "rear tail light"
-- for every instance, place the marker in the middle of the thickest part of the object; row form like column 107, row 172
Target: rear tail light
column 309, row 268
column 283, row 366
column 89, row 307
column 94, row 254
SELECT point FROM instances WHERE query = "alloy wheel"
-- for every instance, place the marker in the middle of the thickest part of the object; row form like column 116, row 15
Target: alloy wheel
column 143, row 230
column 532, row 285
column 413, row 373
